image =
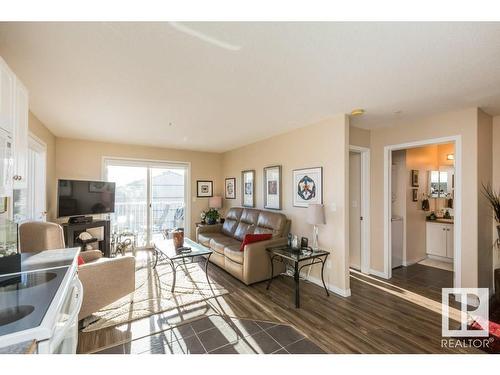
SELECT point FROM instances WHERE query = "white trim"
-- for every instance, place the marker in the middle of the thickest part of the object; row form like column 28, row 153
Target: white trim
column 365, row 206
column 332, row 288
column 457, row 260
column 159, row 163
column 377, row 273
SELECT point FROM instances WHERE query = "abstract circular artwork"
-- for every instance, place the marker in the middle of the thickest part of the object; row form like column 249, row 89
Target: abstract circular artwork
column 306, row 188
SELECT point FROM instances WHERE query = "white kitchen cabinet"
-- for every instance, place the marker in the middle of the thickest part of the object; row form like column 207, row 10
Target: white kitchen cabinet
column 20, row 136
column 439, row 239
column 7, row 79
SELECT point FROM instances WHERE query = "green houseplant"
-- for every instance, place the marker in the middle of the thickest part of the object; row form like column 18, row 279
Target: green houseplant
column 493, row 198
column 210, row 216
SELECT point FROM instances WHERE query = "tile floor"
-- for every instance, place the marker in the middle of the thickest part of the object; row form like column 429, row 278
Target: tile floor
column 221, row 335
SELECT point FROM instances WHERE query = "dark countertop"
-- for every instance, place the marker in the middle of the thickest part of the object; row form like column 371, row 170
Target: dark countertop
column 441, row 221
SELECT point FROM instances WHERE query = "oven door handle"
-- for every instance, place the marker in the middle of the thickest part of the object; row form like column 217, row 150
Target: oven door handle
column 61, row 332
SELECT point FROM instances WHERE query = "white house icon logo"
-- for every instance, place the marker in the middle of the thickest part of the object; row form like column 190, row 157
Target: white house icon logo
column 467, row 314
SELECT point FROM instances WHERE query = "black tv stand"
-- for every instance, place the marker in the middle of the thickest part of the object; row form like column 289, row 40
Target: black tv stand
column 80, row 219
column 73, row 230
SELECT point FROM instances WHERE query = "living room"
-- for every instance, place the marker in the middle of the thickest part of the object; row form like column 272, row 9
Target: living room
column 184, row 187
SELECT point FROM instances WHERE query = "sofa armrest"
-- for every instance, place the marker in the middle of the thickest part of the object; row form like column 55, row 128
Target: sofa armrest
column 256, row 262
column 105, row 281
column 215, row 228
column 91, row 255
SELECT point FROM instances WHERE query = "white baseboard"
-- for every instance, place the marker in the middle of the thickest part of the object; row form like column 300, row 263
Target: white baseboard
column 330, row 287
column 411, row 262
column 378, row 274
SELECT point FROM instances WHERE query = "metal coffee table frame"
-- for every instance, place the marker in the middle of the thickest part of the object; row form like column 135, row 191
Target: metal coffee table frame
column 181, row 256
column 285, row 253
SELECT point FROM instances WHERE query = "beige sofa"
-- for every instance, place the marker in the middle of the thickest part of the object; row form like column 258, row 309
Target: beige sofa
column 104, row 280
column 252, row 264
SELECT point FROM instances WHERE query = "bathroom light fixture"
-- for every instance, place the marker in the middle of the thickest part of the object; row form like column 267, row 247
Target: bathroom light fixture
column 450, row 157
column 357, row 112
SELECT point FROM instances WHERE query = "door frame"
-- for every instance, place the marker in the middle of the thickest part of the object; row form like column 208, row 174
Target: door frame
column 41, row 147
column 158, row 163
column 457, row 202
column 365, row 206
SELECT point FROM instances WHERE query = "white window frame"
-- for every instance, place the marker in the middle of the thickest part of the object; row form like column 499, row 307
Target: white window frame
column 148, row 163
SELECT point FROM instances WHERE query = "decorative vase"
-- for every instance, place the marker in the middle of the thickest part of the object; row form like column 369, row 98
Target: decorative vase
column 178, row 237
column 211, row 221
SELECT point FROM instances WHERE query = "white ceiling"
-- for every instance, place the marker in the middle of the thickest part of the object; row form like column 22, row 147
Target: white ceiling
column 230, row 84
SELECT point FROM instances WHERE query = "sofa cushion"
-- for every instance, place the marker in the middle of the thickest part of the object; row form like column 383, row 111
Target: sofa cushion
column 270, row 222
column 219, row 243
column 231, row 221
column 233, row 253
column 242, row 230
column 250, row 216
column 204, row 238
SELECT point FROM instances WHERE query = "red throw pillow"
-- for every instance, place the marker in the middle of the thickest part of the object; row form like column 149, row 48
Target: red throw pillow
column 251, row 238
column 80, row 260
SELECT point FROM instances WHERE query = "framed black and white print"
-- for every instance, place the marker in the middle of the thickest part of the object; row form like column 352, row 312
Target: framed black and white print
column 204, row 189
column 248, row 188
column 414, row 177
column 230, row 188
column 272, row 187
column 307, row 186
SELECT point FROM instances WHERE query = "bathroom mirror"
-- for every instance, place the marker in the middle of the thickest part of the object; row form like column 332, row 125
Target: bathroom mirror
column 440, row 183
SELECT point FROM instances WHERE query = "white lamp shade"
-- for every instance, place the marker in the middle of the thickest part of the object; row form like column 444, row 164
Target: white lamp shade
column 215, row 202
column 315, row 214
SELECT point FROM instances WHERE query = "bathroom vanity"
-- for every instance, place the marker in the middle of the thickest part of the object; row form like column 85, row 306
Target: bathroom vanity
column 439, row 238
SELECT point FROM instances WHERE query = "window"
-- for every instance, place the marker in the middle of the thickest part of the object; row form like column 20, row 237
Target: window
column 150, row 198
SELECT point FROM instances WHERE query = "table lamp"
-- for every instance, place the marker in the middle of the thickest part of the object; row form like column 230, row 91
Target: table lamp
column 315, row 216
column 215, row 202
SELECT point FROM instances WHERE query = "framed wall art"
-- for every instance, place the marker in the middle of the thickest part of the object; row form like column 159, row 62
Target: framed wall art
column 272, row 187
column 230, row 188
column 248, row 188
column 307, row 186
column 414, row 177
column 204, row 189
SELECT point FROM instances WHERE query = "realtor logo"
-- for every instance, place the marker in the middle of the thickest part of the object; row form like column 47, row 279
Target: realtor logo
column 473, row 307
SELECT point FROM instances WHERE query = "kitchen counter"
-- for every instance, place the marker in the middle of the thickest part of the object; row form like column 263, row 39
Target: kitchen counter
column 36, row 290
column 25, row 347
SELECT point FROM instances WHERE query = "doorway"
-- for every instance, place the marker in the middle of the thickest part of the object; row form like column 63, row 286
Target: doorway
column 422, row 209
column 151, row 197
column 30, row 203
column 359, row 208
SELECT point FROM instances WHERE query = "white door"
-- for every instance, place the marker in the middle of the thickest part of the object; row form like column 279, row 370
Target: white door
column 29, row 203
column 355, row 210
column 6, row 97
column 450, row 246
column 21, row 136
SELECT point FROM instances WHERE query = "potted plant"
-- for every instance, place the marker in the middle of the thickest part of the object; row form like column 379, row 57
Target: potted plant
column 493, row 198
column 210, row 216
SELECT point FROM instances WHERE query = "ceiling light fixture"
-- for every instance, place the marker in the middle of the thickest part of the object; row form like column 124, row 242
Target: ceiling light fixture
column 358, row 112
column 206, row 38
column 450, row 157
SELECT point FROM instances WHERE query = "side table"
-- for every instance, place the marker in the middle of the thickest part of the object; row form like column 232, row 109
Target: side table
column 283, row 253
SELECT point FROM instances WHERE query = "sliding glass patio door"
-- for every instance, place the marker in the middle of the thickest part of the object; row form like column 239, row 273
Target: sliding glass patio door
column 151, row 197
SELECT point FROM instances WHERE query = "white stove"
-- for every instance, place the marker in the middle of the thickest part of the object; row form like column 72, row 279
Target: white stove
column 40, row 298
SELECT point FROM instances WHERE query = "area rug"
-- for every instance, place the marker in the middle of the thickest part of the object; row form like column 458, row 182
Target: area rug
column 153, row 292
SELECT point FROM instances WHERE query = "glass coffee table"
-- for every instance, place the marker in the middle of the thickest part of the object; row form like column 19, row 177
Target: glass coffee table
column 285, row 253
column 165, row 250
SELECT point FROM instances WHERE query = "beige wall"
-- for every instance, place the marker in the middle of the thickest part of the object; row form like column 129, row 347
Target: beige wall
column 355, row 210
column 78, row 159
column 323, row 144
column 485, row 222
column 496, row 180
column 40, row 130
column 462, row 123
column 359, row 137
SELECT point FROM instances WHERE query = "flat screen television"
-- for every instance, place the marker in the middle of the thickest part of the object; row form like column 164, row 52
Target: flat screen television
column 76, row 198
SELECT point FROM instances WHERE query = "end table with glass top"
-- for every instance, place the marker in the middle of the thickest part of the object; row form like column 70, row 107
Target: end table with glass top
column 296, row 256
column 165, row 249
